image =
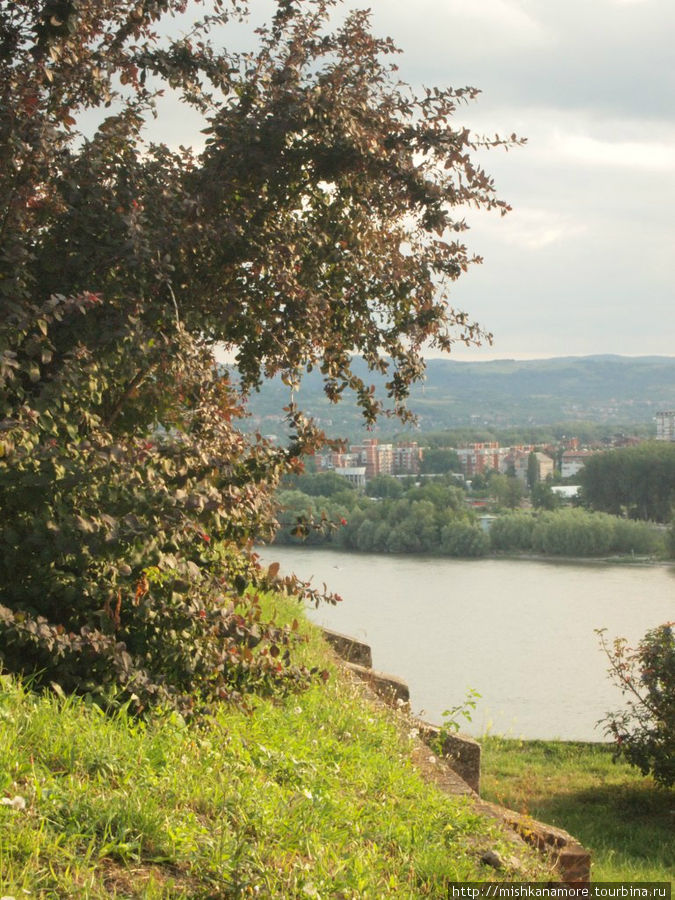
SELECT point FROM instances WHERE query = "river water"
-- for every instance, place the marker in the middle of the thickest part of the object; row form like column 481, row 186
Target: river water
column 520, row 632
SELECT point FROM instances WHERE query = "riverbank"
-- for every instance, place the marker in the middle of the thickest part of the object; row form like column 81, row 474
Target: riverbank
column 613, row 560
column 313, row 795
column 616, row 813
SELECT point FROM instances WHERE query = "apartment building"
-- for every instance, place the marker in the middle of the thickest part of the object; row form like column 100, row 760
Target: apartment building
column 665, row 426
column 407, row 458
column 478, row 458
column 377, row 458
column 374, row 459
column 513, row 460
column 573, row 461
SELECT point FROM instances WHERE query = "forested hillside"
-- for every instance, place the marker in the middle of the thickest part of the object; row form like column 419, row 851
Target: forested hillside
column 619, row 389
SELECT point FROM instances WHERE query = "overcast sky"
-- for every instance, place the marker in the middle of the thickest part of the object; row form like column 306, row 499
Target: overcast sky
column 585, row 263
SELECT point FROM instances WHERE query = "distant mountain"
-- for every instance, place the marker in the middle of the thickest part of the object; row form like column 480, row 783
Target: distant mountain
column 500, row 393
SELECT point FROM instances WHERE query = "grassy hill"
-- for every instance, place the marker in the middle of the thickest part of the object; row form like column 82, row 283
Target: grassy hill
column 620, row 815
column 312, row 795
column 309, row 796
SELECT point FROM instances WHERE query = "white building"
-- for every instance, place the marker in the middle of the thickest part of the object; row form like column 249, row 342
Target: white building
column 355, row 475
column 665, row 426
column 566, row 491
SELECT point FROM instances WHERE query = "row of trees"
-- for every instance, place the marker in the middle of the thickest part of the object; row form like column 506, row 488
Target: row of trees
column 574, row 532
column 588, row 433
column 431, row 518
column 434, row 518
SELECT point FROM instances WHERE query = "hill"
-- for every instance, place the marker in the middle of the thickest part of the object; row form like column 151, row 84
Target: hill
column 500, row 393
column 313, row 794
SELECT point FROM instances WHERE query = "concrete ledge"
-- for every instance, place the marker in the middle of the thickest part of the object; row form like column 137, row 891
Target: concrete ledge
column 348, row 648
column 438, row 770
column 388, row 687
column 461, row 752
column 461, row 773
column 571, row 859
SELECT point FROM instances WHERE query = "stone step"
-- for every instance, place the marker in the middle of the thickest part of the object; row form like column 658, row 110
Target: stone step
column 349, row 648
column 390, row 688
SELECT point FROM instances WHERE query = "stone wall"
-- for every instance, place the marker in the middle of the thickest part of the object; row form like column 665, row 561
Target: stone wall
column 461, row 754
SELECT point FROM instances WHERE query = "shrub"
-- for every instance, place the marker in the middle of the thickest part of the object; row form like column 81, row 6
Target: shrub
column 512, row 532
column 123, row 560
column 463, row 539
column 636, row 537
column 129, row 496
column 573, row 532
column 644, row 732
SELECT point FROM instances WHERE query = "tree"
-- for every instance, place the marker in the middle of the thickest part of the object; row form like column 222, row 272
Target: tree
column 437, row 460
column 507, row 490
column 320, row 484
column 513, row 531
column 318, row 220
column 384, row 486
column 544, row 497
column 573, row 532
column 636, row 481
column 532, row 470
column 479, row 483
column 644, row 732
column 298, row 510
column 464, row 539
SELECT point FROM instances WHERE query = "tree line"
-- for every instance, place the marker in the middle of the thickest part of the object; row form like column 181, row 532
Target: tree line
column 400, row 516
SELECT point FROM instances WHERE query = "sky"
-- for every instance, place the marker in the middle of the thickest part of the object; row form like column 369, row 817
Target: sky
column 584, row 263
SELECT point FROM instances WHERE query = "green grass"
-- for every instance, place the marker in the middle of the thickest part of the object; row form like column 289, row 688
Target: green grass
column 310, row 796
column 622, row 817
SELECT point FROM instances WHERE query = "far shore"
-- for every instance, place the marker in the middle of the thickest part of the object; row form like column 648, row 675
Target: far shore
column 619, row 560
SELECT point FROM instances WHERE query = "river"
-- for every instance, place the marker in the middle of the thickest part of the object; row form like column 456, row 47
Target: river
column 520, row 632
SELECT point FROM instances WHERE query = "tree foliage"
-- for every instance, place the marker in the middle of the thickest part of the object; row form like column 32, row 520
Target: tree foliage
column 318, row 484
column 438, row 460
column 431, row 518
column 574, row 532
column 507, row 490
column 384, row 486
column 532, row 470
column 644, row 732
column 543, row 496
column 635, row 481
column 513, row 532
column 319, row 219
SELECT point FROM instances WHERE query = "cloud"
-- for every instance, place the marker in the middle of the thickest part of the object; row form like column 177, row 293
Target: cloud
column 534, row 229
column 649, row 156
column 505, row 18
column 602, row 55
column 503, row 22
